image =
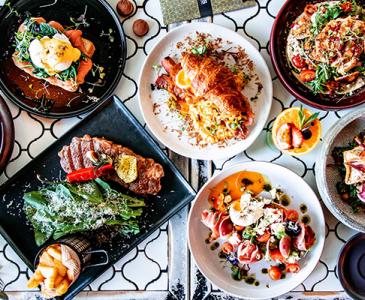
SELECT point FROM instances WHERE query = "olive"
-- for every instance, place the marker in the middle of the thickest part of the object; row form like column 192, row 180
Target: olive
column 292, row 228
column 307, row 134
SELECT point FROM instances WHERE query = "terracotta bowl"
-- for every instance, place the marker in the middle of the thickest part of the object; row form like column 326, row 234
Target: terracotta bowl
column 288, row 13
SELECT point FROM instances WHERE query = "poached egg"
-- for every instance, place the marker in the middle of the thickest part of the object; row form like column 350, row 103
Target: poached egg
column 54, row 55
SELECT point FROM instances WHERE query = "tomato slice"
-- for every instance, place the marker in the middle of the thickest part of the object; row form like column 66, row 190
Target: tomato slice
column 275, row 273
column 292, row 268
column 310, row 9
column 292, row 215
column 298, row 61
column 307, row 75
column 227, row 248
column 264, row 238
column 346, row 6
column 276, row 256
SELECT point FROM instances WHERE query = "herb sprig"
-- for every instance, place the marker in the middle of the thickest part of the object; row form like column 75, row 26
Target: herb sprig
column 305, row 122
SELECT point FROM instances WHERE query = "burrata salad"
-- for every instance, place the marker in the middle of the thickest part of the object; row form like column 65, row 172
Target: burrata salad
column 325, row 47
column 250, row 221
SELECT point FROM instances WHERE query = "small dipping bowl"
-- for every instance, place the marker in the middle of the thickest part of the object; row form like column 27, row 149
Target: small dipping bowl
column 351, row 266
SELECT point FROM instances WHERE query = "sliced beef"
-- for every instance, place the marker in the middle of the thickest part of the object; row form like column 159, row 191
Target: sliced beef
column 74, row 156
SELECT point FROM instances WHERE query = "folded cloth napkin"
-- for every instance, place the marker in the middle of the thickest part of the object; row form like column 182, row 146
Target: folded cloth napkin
column 181, row 10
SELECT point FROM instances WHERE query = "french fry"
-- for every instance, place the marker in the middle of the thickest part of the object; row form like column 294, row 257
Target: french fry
column 46, row 259
column 70, row 275
column 57, row 281
column 55, row 253
column 62, row 288
column 49, row 283
column 38, row 275
column 47, row 272
column 33, row 282
column 62, row 270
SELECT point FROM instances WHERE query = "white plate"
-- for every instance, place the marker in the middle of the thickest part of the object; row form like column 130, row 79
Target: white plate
column 208, row 261
column 170, row 139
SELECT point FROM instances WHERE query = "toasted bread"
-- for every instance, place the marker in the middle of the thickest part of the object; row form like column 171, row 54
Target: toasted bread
column 84, row 45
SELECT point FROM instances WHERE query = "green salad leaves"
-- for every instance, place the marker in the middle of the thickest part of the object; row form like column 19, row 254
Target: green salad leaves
column 62, row 208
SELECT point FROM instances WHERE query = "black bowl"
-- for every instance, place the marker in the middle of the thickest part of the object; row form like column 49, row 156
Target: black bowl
column 280, row 30
column 101, row 26
column 351, row 266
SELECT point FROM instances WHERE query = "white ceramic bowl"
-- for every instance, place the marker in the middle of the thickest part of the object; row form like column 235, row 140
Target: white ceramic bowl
column 163, row 48
column 208, row 261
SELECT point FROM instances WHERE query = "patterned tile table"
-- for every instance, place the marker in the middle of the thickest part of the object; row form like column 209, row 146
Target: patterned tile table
column 161, row 267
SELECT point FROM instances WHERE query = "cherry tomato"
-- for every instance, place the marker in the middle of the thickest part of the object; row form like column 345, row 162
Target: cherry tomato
column 346, row 6
column 275, row 273
column 264, row 238
column 307, row 75
column 239, row 228
column 292, row 215
column 227, row 248
column 276, row 256
column 310, row 9
column 292, row 268
column 298, row 61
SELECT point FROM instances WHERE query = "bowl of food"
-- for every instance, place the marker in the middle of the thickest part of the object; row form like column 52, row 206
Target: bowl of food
column 6, row 134
column 317, row 51
column 205, row 91
column 253, row 235
column 60, row 59
column 339, row 173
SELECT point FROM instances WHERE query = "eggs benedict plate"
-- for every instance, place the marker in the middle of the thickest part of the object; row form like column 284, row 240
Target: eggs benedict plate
column 50, row 52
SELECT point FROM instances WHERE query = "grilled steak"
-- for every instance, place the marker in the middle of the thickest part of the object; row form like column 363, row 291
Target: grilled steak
column 74, row 156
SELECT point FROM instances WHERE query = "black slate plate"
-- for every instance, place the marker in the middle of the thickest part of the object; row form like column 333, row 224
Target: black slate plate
column 113, row 121
column 6, row 134
column 103, row 28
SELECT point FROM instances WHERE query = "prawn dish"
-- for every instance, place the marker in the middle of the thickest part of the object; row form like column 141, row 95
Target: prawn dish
column 250, row 222
column 49, row 52
column 325, row 47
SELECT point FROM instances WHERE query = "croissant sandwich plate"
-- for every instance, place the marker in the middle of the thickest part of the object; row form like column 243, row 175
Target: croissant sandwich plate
column 208, row 94
column 50, row 52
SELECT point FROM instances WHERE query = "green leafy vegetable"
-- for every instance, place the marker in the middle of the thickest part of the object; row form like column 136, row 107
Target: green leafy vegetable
column 322, row 18
column 62, row 208
column 324, row 73
column 199, row 50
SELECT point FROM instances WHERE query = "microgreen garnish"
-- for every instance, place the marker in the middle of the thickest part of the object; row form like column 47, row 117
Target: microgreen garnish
column 324, row 73
column 305, row 122
column 108, row 34
column 12, row 10
column 156, row 67
column 321, row 19
column 199, row 50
